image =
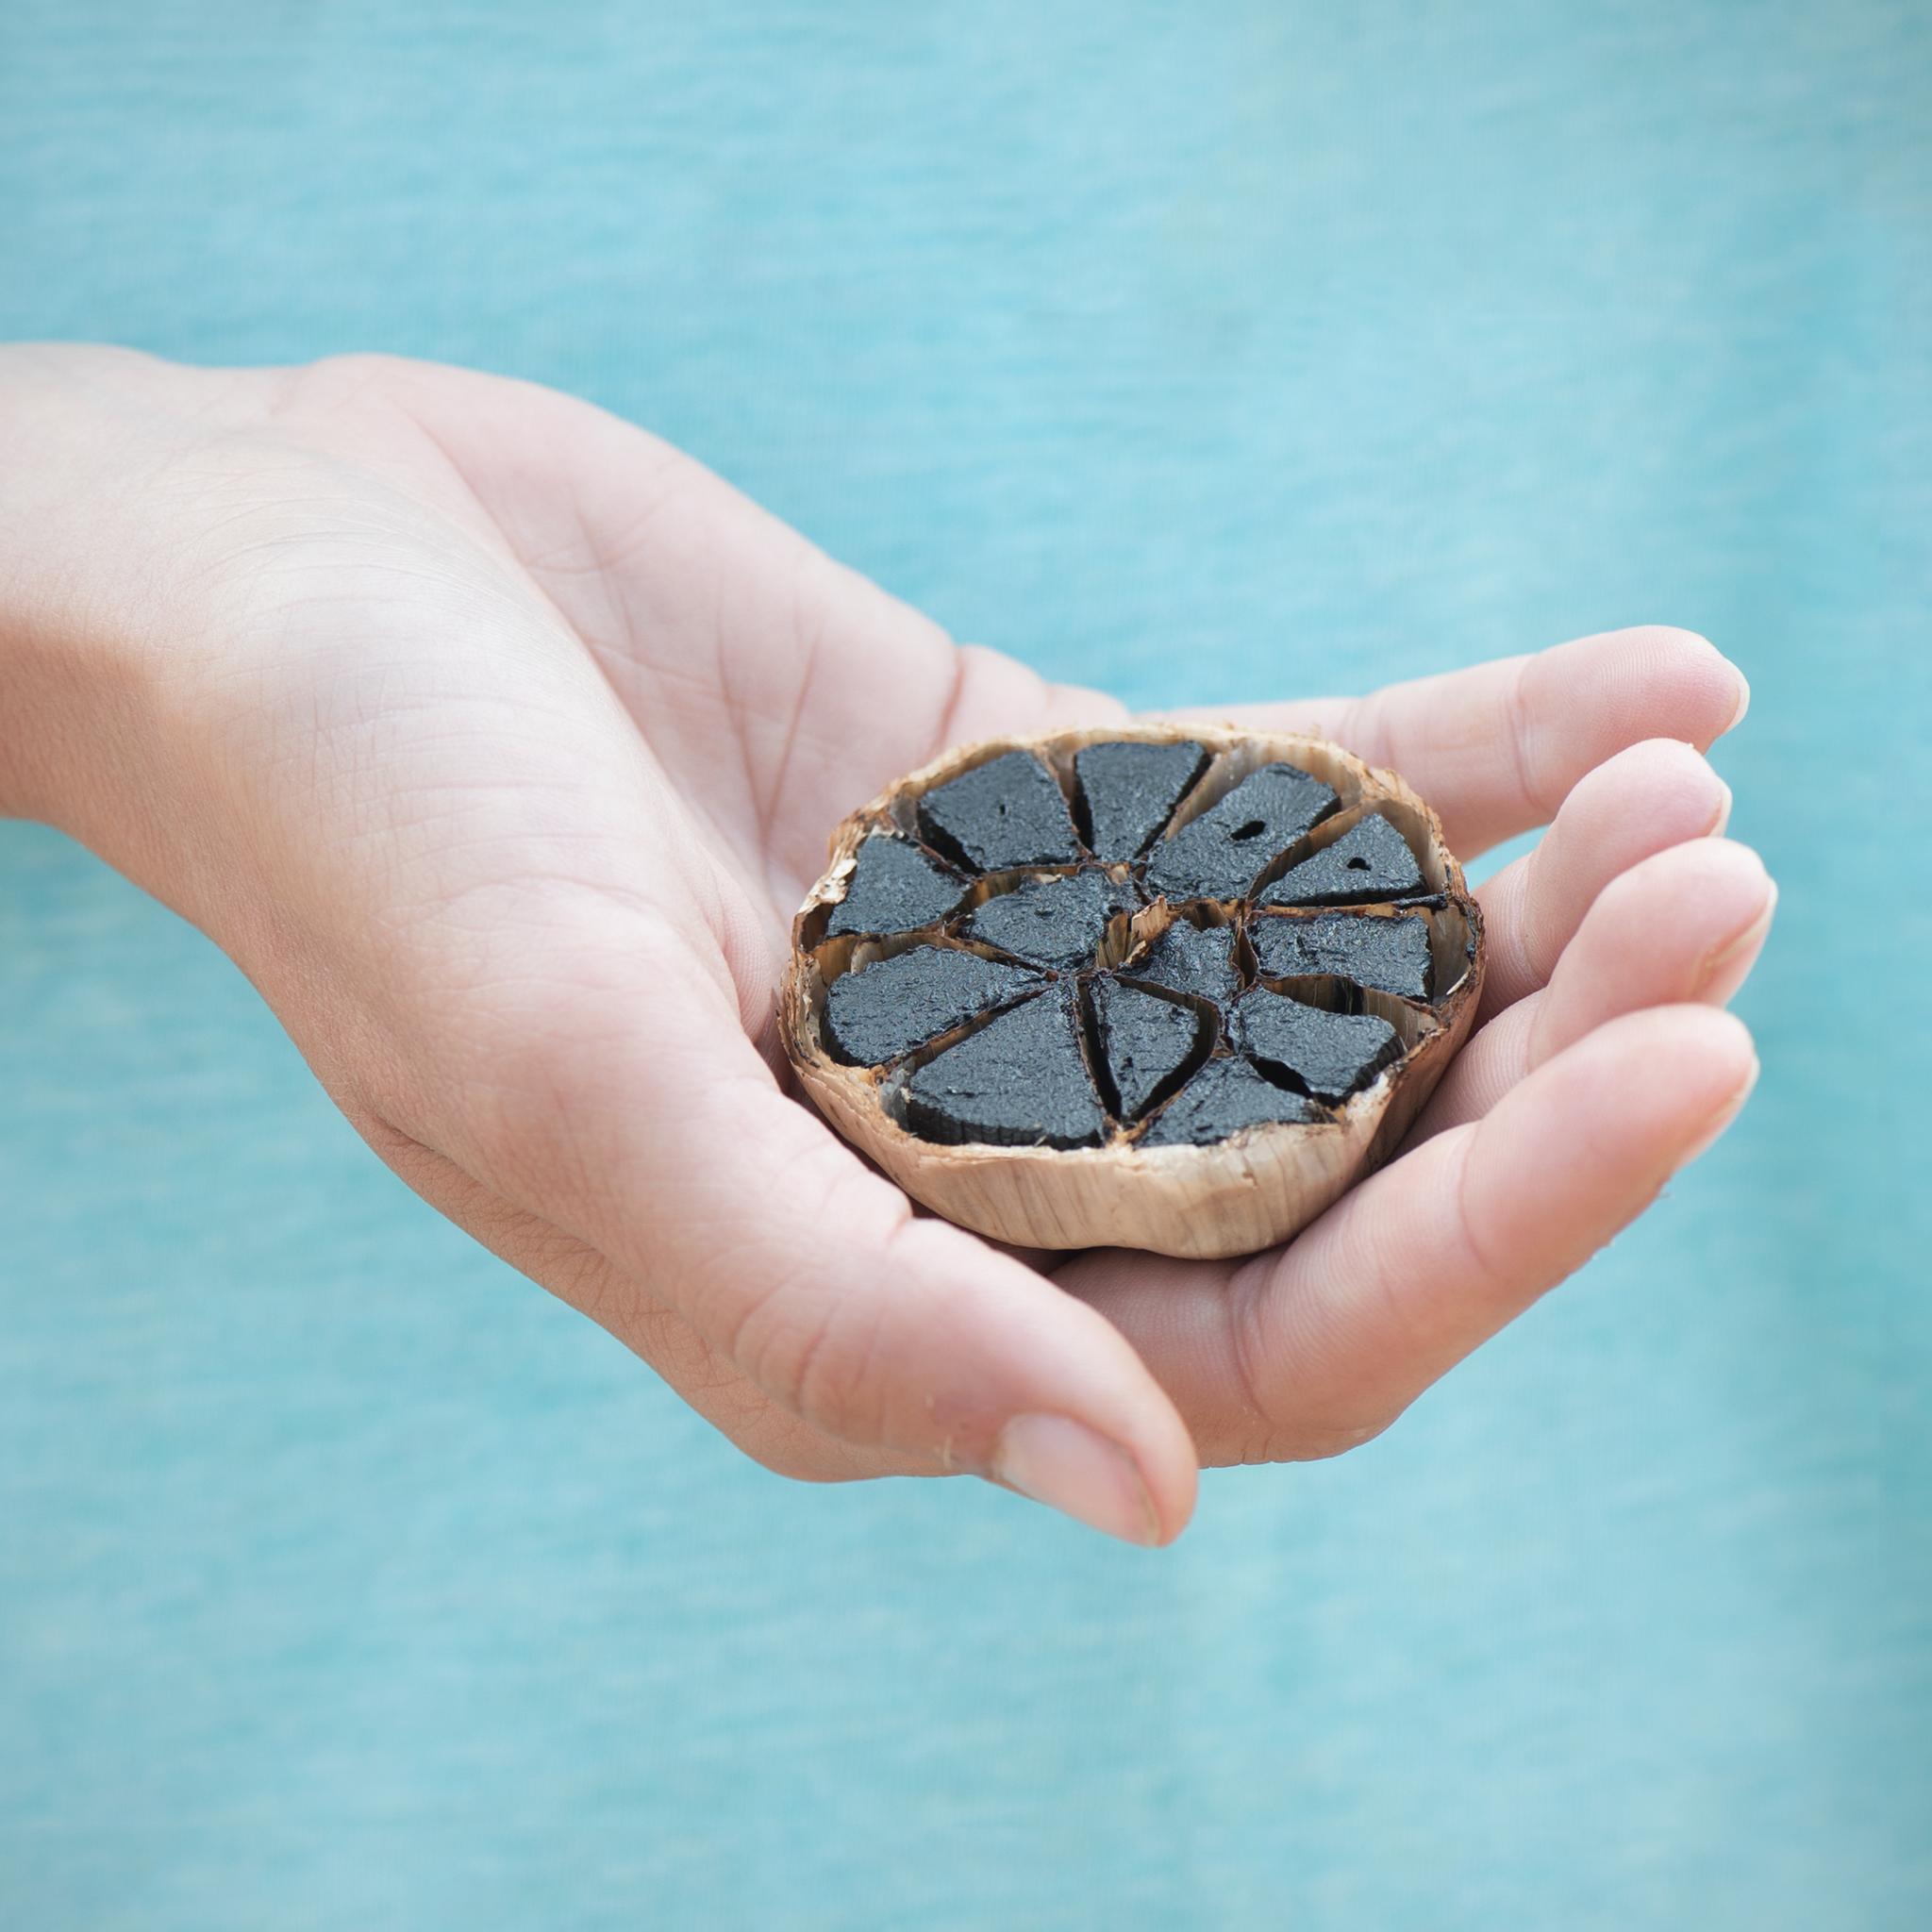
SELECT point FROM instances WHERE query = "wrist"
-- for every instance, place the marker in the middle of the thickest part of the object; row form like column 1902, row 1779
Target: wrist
column 101, row 602
column 68, row 555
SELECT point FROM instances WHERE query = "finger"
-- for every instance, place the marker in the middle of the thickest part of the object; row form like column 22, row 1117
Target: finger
column 1319, row 1347
column 1496, row 1060
column 1685, row 924
column 891, row 1332
column 1642, row 801
column 627, row 1111
column 1496, row 748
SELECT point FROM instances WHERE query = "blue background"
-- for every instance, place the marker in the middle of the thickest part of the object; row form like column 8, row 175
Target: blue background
column 1204, row 352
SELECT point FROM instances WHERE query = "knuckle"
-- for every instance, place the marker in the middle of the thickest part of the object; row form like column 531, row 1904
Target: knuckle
column 820, row 1361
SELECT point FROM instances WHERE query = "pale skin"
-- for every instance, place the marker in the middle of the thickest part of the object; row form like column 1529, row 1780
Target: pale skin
column 497, row 742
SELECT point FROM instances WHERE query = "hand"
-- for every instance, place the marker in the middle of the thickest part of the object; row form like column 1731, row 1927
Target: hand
column 496, row 743
column 1601, row 1064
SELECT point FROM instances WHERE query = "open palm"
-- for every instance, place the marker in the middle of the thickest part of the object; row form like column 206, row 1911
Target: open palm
column 498, row 742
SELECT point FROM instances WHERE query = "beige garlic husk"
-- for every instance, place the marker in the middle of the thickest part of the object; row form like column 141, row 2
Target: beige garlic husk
column 1251, row 1191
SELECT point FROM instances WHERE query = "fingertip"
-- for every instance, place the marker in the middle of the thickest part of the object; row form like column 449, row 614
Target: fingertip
column 1066, row 1466
column 1722, row 875
column 1166, row 1461
column 1177, row 1493
column 1737, row 1055
column 1685, row 793
column 1716, row 691
column 1647, row 1079
column 1709, row 1054
column 1721, row 1037
column 1652, row 796
column 1690, row 689
column 1725, row 967
column 1659, row 792
column 1743, row 703
column 1584, row 1144
column 1746, row 860
column 1704, row 1064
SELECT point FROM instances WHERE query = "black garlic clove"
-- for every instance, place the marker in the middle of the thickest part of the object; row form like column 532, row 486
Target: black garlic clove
column 1220, row 853
column 1369, row 865
column 1390, row 954
column 1226, row 1096
column 896, row 887
column 1057, row 924
column 1021, row 1081
column 1125, row 793
column 881, row 1015
column 1001, row 815
column 1145, row 1043
column 1185, row 959
column 1327, row 1055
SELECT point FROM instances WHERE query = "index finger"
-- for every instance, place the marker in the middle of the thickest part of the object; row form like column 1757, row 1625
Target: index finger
column 1495, row 748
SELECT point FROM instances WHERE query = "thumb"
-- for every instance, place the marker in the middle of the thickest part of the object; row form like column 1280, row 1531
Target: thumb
column 635, row 1115
column 885, row 1330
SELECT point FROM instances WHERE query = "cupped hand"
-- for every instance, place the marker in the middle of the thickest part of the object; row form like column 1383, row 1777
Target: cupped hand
column 497, row 742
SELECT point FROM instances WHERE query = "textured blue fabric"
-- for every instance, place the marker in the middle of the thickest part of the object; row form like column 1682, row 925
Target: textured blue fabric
column 1204, row 352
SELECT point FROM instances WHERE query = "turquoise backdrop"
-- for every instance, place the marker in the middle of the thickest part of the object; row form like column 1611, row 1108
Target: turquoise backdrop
column 1203, row 352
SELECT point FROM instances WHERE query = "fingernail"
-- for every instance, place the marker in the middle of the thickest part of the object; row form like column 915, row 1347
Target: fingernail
column 1743, row 705
column 1717, row 974
column 1062, row 1464
column 1723, row 812
column 1724, row 1116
